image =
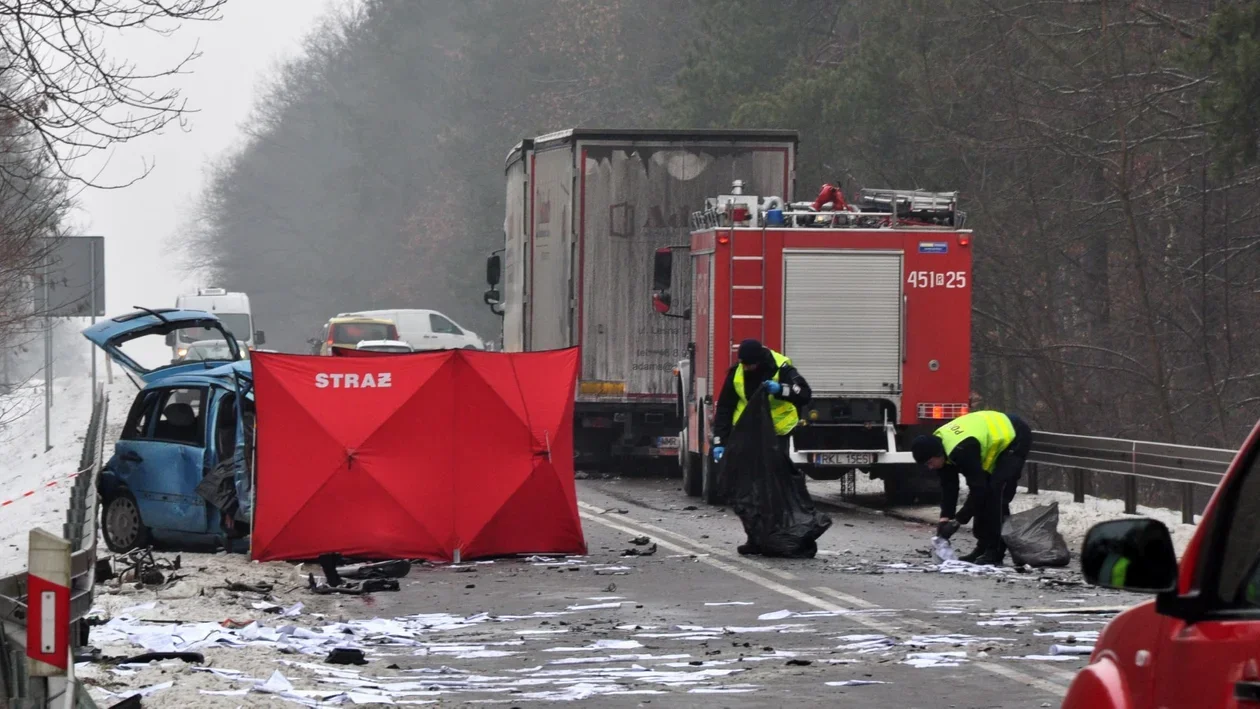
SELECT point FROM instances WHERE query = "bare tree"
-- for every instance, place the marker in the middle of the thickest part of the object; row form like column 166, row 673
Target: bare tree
column 62, row 95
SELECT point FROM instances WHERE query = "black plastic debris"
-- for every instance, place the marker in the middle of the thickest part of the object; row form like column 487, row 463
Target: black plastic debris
column 194, row 658
column 132, row 702
column 639, row 552
column 641, row 541
column 334, row 583
column 1033, row 537
column 794, row 662
column 242, row 587
column 138, row 565
column 766, row 490
column 346, row 656
column 392, row 569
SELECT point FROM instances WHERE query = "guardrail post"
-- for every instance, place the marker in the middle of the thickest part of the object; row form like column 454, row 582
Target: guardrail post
column 1032, row 479
column 1187, row 503
column 1078, row 485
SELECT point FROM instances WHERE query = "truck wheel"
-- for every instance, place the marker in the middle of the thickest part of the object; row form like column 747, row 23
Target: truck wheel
column 123, row 529
column 693, row 475
column 692, row 466
column 902, row 485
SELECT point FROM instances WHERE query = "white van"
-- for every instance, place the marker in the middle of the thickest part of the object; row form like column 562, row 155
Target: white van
column 232, row 309
column 426, row 329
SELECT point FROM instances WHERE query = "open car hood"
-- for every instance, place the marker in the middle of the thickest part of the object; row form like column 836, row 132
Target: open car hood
column 110, row 335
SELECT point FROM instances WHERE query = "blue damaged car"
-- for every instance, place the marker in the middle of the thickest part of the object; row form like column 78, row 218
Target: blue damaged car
column 179, row 474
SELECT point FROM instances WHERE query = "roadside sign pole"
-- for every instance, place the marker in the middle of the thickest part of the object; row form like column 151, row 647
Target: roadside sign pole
column 48, row 605
column 48, row 364
column 92, row 290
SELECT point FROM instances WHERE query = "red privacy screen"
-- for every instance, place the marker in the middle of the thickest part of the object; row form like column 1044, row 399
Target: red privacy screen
column 415, row 455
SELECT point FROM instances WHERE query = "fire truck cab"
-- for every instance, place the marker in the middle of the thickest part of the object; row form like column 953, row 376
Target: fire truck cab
column 871, row 301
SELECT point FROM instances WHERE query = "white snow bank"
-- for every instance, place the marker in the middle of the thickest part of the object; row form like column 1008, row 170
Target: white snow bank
column 26, row 466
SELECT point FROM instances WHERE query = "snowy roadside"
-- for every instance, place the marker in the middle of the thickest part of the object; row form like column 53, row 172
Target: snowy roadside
column 28, row 467
column 1075, row 519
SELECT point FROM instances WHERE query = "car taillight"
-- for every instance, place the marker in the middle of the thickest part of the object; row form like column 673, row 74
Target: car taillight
column 942, row 411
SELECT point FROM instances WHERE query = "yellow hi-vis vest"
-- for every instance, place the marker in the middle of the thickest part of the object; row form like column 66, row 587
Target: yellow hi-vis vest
column 992, row 429
column 783, row 413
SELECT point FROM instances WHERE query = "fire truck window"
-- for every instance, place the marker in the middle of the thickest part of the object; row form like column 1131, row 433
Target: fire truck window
column 1239, row 579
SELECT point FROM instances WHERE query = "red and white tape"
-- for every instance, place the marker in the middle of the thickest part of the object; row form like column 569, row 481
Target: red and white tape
column 28, row 493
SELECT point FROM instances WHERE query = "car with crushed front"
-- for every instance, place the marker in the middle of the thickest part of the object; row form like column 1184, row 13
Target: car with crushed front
column 179, row 471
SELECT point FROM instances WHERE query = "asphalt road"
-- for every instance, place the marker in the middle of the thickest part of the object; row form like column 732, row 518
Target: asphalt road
column 695, row 624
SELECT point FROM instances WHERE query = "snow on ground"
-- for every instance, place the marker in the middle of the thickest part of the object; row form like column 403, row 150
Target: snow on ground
column 1074, row 519
column 28, row 467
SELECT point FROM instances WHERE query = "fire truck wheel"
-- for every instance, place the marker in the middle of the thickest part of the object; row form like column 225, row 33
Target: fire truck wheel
column 693, row 476
column 901, row 485
column 692, row 472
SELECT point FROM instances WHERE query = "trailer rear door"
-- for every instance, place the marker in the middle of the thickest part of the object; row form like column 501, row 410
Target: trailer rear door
column 842, row 323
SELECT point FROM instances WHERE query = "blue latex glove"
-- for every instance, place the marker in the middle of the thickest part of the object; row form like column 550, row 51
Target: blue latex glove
column 717, row 453
column 774, row 387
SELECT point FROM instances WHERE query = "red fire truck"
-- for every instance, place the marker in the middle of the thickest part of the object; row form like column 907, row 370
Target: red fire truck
column 871, row 301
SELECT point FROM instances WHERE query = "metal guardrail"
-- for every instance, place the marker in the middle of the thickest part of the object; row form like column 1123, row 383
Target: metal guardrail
column 81, row 530
column 1186, row 466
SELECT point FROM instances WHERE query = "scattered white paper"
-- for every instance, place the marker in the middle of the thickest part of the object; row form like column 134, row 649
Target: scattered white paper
column 731, row 603
column 776, row 615
column 595, row 606
column 1071, row 649
column 854, row 683
column 276, row 684
column 923, row 660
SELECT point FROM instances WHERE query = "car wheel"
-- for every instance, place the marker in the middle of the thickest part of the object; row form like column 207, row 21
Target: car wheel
column 122, row 526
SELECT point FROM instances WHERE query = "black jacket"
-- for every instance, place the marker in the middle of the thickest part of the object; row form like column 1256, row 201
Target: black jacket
column 795, row 390
column 964, row 460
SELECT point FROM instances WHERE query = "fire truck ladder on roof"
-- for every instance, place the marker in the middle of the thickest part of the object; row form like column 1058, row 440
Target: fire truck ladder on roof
column 748, row 287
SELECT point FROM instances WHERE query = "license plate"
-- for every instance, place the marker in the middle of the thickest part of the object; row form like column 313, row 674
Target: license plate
column 844, row 458
column 668, row 441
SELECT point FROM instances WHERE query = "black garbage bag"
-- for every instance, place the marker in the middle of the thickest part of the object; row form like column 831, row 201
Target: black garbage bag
column 1033, row 538
column 765, row 489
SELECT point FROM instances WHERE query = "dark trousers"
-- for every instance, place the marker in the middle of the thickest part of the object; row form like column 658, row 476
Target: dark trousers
column 989, row 498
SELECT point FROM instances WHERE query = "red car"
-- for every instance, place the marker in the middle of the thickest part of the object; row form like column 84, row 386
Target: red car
column 1197, row 644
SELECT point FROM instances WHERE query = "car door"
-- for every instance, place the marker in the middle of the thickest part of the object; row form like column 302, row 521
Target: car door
column 1205, row 659
column 448, row 335
column 164, row 464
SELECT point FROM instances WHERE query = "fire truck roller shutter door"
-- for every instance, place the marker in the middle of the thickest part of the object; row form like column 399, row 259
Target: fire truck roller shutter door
column 843, row 319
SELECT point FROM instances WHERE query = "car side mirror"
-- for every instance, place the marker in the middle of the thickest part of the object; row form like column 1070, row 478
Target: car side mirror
column 170, row 339
column 260, row 337
column 1134, row 555
column 492, row 297
column 494, row 266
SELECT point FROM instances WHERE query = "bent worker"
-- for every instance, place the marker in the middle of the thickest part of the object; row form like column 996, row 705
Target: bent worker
column 786, row 387
column 988, row 449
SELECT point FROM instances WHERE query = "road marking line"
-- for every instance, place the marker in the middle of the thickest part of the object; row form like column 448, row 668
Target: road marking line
column 626, row 526
column 785, row 575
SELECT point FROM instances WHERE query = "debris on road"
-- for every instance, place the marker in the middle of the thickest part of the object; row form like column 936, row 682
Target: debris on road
column 639, row 552
column 346, row 656
column 641, row 541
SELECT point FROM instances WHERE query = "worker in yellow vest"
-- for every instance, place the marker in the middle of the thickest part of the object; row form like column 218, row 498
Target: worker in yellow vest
column 787, row 389
column 988, row 449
